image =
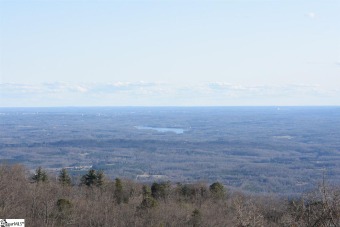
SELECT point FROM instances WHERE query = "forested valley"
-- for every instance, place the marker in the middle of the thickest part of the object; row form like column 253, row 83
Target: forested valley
column 253, row 149
column 92, row 199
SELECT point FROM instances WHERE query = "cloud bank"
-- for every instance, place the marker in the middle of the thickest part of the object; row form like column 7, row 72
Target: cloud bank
column 142, row 93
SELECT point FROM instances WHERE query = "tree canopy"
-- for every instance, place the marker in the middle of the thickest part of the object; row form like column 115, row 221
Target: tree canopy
column 93, row 178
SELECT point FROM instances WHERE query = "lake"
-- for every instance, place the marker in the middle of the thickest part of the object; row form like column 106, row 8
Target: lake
column 175, row 130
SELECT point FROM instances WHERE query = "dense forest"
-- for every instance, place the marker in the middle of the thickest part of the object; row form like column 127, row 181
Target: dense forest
column 93, row 200
column 253, row 149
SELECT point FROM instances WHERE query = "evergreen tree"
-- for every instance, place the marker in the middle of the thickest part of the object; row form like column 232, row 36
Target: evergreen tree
column 118, row 193
column 148, row 201
column 146, row 191
column 92, row 178
column 64, row 177
column 196, row 218
column 217, row 190
column 160, row 190
column 64, row 205
column 100, row 178
column 40, row 175
column 65, row 211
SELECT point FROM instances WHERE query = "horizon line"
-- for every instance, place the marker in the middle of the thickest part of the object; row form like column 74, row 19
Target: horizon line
column 167, row 106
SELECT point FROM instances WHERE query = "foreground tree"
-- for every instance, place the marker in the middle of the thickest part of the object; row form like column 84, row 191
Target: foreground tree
column 93, row 178
column 50, row 204
column 160, row 190
column 64, row 211
column 118, row 192
column 217, row 190
column 148, row 201
column 196, row 218
column 40, row 175
column 64, row 178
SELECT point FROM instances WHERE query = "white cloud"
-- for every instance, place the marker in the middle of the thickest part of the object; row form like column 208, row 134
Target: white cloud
column 260, row 91
column 60, row 87
column 126, row 87
column 149, row 93
column 19, row 88
column 241, row 90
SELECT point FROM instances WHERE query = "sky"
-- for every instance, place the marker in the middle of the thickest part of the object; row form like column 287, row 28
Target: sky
column 169, row 53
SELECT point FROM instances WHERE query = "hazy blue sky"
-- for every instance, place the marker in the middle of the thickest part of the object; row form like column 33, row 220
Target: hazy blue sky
column 236, row 52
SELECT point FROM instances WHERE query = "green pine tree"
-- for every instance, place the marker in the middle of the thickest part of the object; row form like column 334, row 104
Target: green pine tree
column 217, row 190
column 64, row 177
column 100, row 178
column 196, row 218
column 148, row 201
column 92, row 178
column 118, row 193
column 40, row 175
